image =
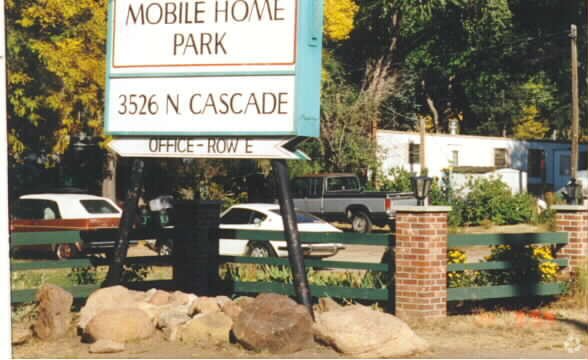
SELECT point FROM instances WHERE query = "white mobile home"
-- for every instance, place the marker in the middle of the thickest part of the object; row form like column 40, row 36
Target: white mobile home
column 546, row 163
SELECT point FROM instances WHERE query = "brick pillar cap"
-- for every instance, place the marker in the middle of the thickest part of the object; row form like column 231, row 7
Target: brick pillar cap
column 570, row 207
column 421, row 209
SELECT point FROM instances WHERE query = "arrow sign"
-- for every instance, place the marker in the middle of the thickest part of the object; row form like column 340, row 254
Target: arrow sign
column 205, row 147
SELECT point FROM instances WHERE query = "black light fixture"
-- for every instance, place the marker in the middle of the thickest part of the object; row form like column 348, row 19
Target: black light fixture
column 421, row 185
column 573, row 192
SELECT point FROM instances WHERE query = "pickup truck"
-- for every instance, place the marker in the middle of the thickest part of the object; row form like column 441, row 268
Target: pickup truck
column 340, row 197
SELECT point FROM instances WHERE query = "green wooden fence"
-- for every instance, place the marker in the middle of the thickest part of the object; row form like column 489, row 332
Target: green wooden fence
column 504, row 291
column 374, row 294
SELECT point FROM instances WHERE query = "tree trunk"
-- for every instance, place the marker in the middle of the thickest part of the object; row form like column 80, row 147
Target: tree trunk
column 435, row 113
column 109, row 180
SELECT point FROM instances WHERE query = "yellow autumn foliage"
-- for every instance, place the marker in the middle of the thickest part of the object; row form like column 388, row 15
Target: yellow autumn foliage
column 528, row 127
column 74, row 53
column 339, row 16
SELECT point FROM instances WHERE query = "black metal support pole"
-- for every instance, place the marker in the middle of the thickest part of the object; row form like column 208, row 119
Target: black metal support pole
column 295, row 254
column 126, row 223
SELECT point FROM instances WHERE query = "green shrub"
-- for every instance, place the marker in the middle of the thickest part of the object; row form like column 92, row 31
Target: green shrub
column 457, row 279
column 489, row 201
column 282, row 274
column 27, row 279
column 135, row 273
column 398, row 180
column 531, row 264
column 83, row 276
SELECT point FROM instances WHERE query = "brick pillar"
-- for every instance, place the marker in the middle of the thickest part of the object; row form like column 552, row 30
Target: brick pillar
column 574, row 220
column 421, row 262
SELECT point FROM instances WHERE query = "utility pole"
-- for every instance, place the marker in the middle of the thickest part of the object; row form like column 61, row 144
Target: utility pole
column 575, row 101
column 422, row 149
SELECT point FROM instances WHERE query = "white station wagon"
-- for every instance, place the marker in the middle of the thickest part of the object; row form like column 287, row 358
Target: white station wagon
column 97, row 218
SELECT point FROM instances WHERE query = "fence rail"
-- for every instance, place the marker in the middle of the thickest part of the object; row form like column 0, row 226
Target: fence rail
column 511, row 290
column 44, row 237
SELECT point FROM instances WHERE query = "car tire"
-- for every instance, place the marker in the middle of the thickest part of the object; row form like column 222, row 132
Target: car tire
column 361, row 222
column 166, row 248
column 66, row 251
column 260, row 249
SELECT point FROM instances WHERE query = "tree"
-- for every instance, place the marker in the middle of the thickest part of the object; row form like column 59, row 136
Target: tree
column 346, row 144
column 339, row 18
column 55, row 73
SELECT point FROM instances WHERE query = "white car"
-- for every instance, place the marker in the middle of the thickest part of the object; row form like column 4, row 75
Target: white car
column 97, row 218
column 268, row 217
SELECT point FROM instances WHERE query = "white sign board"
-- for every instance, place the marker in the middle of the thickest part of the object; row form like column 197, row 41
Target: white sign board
column 207, row 35
column 175, row 35
column 211, row 104
column 211, row 147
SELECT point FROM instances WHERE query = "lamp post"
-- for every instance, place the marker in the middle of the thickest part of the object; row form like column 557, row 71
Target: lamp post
column 421, row 185
column 573, row 192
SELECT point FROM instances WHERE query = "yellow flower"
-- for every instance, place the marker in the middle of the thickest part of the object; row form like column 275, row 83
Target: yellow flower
column 543, row 253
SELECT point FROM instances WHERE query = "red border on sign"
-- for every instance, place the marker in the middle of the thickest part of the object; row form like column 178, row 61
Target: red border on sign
column 294, row 54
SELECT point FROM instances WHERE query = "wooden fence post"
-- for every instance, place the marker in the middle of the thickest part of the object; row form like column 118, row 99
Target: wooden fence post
column 573, row 219
column 421, row 262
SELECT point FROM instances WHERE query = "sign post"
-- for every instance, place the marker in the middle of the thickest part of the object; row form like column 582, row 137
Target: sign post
column 217, row 79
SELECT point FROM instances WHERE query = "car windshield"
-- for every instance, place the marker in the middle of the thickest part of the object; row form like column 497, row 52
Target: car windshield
column 302, row 217
column 98, row 207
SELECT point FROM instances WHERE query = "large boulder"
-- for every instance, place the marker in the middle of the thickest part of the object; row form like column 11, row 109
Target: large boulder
column 232, row 310
column 172, row 317
column 113, row 297
column 54, row 312
column 160, row 297
column 120, row 325
column 210, row 328
column 181, row 298
column 358, row 331
column 274, row 323
column 204, row 305
column 326, row 304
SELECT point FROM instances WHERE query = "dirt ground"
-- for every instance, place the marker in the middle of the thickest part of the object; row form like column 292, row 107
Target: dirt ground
column 558, row 330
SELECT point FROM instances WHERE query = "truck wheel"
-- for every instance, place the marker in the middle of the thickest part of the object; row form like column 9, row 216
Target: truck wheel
column 66, row 251
column 361, row 222
column 261, row 249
